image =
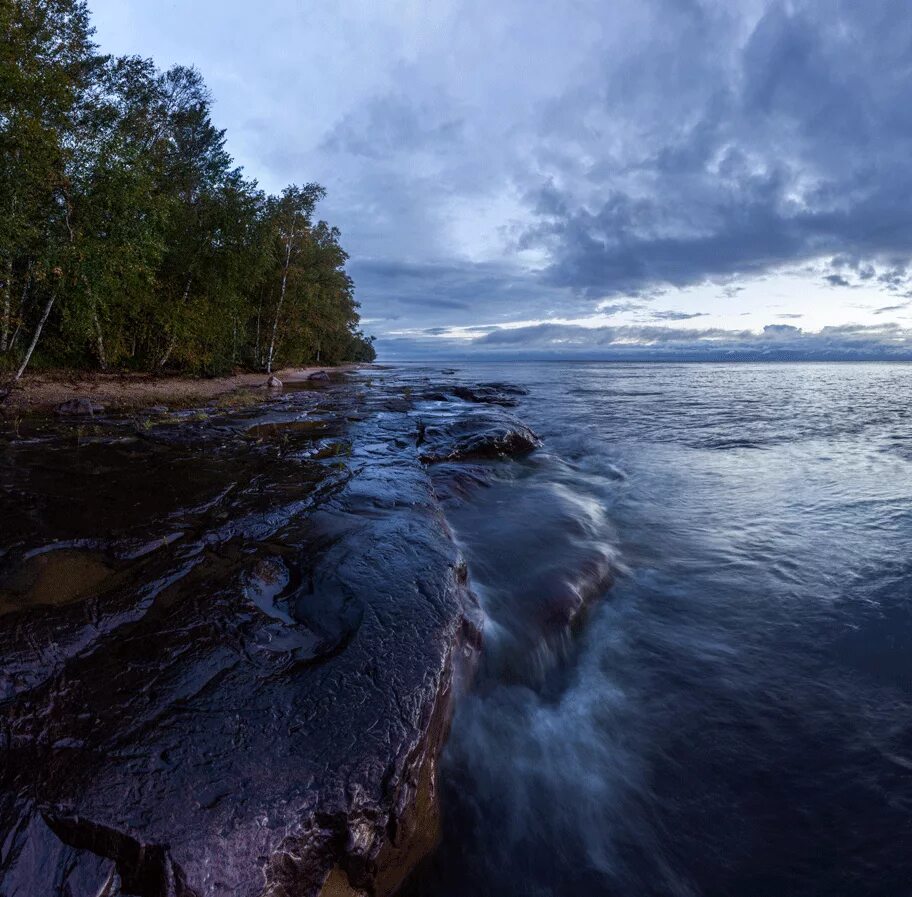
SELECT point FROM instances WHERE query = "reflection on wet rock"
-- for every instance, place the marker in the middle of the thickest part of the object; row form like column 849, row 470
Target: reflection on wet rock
column 482, row 435
column 230, row 642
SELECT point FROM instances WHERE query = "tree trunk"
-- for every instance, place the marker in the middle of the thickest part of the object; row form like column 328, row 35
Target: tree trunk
column 173, row 342
column 275, row 323
column 15, row 336
column 7, row 306
column 22, row 306
column 102, row 359
column 28, row 355
column 256, row 351
column 168, row 351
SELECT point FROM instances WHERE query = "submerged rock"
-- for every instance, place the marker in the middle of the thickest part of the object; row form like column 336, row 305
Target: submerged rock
column 318, row 375
column 80, row 406
column 509, row 388
column 485, row 395
column 477, row 436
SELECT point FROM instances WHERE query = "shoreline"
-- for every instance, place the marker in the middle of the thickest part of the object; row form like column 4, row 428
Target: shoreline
column 237, row 550
column 42, row 392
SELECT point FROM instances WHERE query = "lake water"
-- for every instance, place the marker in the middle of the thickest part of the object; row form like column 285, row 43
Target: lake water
column 734, row 715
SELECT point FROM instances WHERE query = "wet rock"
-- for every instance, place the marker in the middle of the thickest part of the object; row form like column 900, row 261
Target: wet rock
column 556, row 557
column 318, row 375
column 297, row 430
column 486, row 395
column 80, row 407
column 460, row 481
column 255, row 708
column 509, row 388
column 49, row 578
column 477, row 436
column 273, row 382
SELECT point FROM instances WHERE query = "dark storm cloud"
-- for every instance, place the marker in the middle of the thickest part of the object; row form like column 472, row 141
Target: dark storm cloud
column 837, row 280
column 754, row 153
column 461, row 291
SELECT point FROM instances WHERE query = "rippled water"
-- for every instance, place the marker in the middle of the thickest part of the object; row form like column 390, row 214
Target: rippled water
column 733, row 716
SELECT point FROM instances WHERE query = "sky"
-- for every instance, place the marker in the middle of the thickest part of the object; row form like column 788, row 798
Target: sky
column 580, row 178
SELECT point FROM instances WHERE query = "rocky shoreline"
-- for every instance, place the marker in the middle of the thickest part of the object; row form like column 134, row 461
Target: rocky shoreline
column 232, row 641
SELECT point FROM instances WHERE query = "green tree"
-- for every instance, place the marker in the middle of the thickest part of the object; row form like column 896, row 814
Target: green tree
column 128, row 238
column 290, row 217
column 47, row 62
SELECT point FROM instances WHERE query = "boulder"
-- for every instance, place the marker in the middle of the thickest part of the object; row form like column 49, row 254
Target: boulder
column 80, row 407
column 484, row 395
column 477, row 436
column 273, row 382
column 318, row 375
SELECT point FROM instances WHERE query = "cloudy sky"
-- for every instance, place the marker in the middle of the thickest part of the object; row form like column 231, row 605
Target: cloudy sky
column 581, row 178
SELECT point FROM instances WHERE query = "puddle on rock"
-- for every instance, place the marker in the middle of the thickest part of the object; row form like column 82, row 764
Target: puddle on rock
column 52, row 578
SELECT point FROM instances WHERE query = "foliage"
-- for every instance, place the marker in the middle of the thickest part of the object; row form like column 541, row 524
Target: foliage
column 129, row 238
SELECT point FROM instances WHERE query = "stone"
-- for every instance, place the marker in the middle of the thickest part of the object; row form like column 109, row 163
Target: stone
column 318, row 375
column 273, row 382
column 484, row 395
column 80, row 407
column 477, row 436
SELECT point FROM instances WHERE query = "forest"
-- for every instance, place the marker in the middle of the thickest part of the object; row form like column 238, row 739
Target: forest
column 129, row 238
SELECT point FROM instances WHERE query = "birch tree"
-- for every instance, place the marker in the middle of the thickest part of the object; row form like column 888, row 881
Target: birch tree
column 291, row 215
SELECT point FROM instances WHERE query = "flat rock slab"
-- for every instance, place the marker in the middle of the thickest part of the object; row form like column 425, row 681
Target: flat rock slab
column 249, row 692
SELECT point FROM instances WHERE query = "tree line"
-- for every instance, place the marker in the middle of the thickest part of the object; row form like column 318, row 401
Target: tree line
column 129, row 239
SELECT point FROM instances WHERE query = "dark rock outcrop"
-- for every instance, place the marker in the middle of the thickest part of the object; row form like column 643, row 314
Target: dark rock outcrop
column 477, row 436
column 485, row 395
column 250, row 694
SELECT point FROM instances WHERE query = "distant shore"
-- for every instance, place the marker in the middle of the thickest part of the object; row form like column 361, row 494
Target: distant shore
column 43, row 392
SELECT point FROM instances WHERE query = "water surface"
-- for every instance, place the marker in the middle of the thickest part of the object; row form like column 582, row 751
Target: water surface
column 733, row 715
